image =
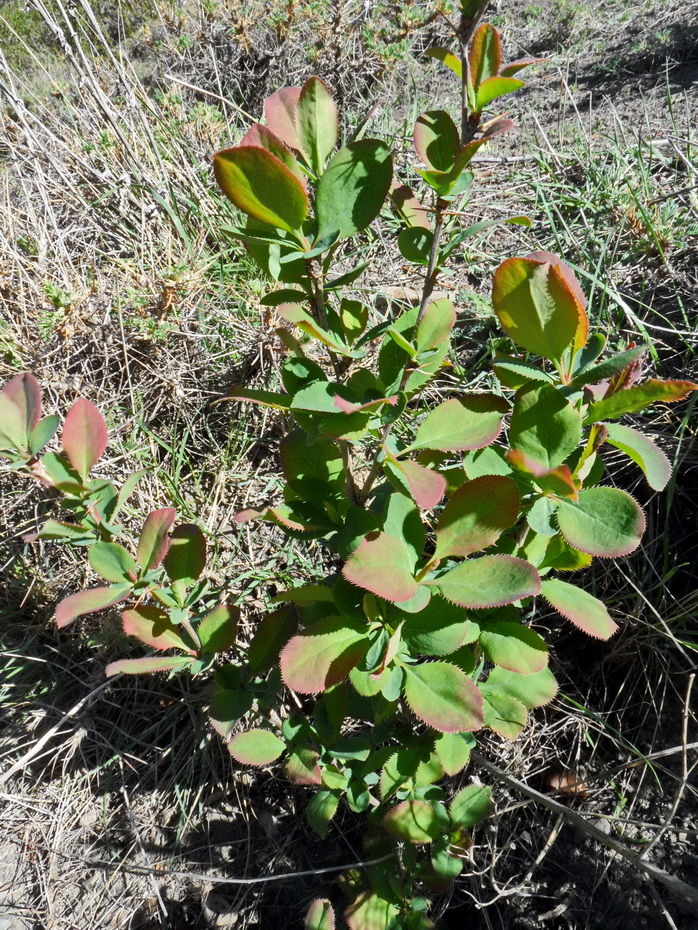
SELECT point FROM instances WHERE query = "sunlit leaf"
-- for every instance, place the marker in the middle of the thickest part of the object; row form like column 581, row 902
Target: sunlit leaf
column 302, row 767
column 636, row 398
column 323, row 654
column 544, row 425
column 468, row 422
column 453, row 751
column 444, row 697
column 606, row 522
column 147, row 666
column 514, row 646
column 152, row 626
column 384, row 565
column 112, row 562
column 485, row 54
column 581, row 608
column 281, row 111
column 370, row 912
column 154, row 540
column 436, row 140
column 256, row 747
column 20, row 410
column 90, row 601
column 263, row 138
column 476, row 516
column 317, row 123
column 495, row 87
column 531, row 690
column 84, row 436
column 490, row 581
column 352, row 190
column 471, row 805
column 320, row 915
column 446, row 58
column 643, row 451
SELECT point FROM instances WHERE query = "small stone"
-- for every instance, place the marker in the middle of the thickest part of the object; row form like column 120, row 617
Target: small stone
column 604, row 826
column 683, row 837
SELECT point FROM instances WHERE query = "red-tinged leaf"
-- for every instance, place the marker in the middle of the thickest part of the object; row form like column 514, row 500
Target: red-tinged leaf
column 606, row 522
column 302, row 767
column 565, row 271
column 186, row 555
column 503, row 714
column 436, row 140
column 476, row 516
column 447, row 58
column 154, row 541
column 514, row 647
column 20, row 411
column 320, row 915
column 636, row 398
column 557, row 481
column 537, row 307
column 346, row 406
column 263, row 138
column 409, row 208
column 534, row 690
column 84, row 436
column 256, row 747
column 261, row 185
column 253, row 396
column 643, row 451
column 490, row 581
column 146, row 666
column 218, row 630
column 426, row 486
column 318, row 124
column 384, row 565
column 495, row 87
column 416, row 821
column 581, row 608
column 485, row 55
column 323, row 654
column 370, row 912
column 444, row 697
column 515, row 66
column 152, row 626
column 90, row 601
column 469, row 422
column 436, row 325
column 281, row 111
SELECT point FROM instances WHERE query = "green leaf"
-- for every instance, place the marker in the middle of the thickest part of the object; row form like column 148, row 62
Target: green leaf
column 471, row 805
column 514, row 647
column 581, row 608
column 446, row 58
column 416, row 821
column 415, row 244
column 544, row 425
column 353, row 316
column 636, row 398
column 495, row 87
column 261, row 186
column 384, row 565
column 436, row 140
column 314, row 471
column 503, row 713
column 515, row 373
column 643, row 451
column 490, row 581
column 152, row 626
column 302, row 767
column 608, row 368
column 606, row 522
column 154, row 541
column 256, row 747
column 265, row 398
column 485, row 55
column 453, row 751
column 537, row 307
column 84, row 436
column 317, row 124
column 186, row 555
column 320, row 811
column 352, row 190
column 468, row 422
column 43, row 432
column 70, row 532
column 228, row 705
column 90, row 601
column 398, row 770
column 146, row 666
column 271, row 635
column 444, row 697
column 531, row 690
column 112, row 562
column 439, row 628
column 436, row 325
column 370, row 911
column 323, row 654
column 218, row 629
column 476, row 516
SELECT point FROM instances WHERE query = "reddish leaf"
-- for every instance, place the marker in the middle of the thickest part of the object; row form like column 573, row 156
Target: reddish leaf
column 436, row 325
column 476, row 516
column 154, row 541
column 152, row 626
column 436, row 140
column 281, row 111
column 407, row 205
column 147, row 665
column 515, row 66
column 443, row 696
column 427, row 486
column 636, row 398
column 323, row 654
column 20, row 410
column 84, row 436
column 90, row 601
column 320, row 915
column 581, row 608
column 469, row 422
column 302, row 767
column 264, row 138
column 485, row 55
column 384, row 565
column 415, row 821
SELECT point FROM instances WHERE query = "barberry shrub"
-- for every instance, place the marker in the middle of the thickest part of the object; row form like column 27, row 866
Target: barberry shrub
column 447, row 526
